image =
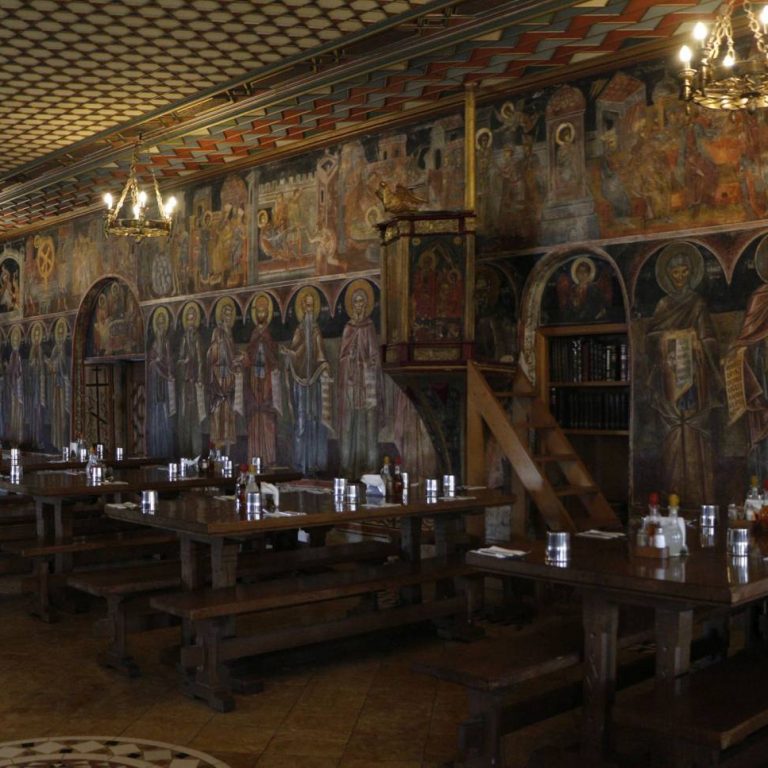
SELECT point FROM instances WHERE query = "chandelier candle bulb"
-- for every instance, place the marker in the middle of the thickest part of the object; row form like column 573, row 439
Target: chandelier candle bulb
column 714, row 77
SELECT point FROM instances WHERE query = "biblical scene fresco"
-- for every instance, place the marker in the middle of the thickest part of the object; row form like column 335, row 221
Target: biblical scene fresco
column 258, row 329
column 10, row 283
column 437, row 289
column 115, row 327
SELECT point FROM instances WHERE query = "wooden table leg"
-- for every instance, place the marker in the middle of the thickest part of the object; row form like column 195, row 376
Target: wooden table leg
column 63, row 526
column 41, row 524
column 223, row 563
column 674, row 631
column 191, row 573
column 410, row 543
column 601, row 621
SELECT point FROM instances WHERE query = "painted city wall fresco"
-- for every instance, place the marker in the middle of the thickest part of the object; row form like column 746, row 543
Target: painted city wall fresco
column 613, row 165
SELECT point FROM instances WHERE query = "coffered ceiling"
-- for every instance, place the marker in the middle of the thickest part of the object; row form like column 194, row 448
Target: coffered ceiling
column 205, row 85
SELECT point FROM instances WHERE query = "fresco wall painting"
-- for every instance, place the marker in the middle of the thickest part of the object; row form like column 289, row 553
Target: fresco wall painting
column 246, row 304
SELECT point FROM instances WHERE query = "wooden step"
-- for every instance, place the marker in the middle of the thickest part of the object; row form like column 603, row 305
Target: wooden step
column 533, row 425
column 545, row 458
column 576, row 490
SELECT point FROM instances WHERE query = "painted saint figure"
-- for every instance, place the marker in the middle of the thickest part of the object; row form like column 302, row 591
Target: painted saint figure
column 36, row 389
column 309, row 379
column 59, row 388
column 750, row 353
column 585, row 295
column 224, row 375
column 190, row 376
column 15, row 378
column 161, row 385
column 263, row 390
column 359, row 384
column 684, row 380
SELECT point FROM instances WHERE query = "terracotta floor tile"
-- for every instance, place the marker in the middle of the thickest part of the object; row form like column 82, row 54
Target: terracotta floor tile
column 234, row 737
column 365, row 763
column 158, row 729
column 274, row 760
column 307, row 743
column 328, row 720
column 385, row 747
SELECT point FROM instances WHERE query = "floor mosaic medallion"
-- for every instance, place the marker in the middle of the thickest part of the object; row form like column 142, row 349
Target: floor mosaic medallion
column 101, row 752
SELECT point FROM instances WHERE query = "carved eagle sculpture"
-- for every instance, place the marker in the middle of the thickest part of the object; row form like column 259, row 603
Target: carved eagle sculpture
column 401, row 200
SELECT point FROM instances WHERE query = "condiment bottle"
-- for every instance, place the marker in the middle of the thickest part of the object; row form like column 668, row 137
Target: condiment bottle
column 675, row 529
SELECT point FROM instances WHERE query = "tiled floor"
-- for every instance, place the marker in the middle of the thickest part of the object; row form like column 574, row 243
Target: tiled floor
column 352, row 705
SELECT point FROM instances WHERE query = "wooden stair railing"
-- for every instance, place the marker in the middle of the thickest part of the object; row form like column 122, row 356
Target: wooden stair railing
column 534, row 444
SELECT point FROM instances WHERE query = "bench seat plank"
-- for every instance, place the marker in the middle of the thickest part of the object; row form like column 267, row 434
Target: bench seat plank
column 717, row 707
column 47, row 547
column 198, row 605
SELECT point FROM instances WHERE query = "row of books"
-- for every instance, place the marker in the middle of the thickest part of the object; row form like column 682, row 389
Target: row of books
column 586, row 358
column 590, row 409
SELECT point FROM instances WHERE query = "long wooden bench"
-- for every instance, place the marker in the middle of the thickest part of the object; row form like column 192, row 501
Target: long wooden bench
column 122, row 588
column 714, row 716
column 492, row 669
column 43, row 550
column 126, row 589
column 211, row 613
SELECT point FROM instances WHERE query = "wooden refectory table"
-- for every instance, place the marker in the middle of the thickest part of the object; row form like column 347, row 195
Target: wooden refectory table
column 215, row 523
column 609, row 574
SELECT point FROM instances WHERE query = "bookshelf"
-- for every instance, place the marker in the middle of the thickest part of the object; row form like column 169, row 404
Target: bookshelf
column 583, row 373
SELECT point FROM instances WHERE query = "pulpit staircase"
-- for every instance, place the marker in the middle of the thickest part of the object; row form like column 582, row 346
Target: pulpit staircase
column 538, row 450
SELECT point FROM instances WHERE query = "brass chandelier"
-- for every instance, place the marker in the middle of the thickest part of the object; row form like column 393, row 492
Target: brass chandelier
column 714, row 76
column 135, row 215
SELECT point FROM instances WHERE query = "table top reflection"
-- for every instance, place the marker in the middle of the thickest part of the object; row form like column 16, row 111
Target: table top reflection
column 74, row 482
column 708, row 574
column 218, row 515
column 33, row 462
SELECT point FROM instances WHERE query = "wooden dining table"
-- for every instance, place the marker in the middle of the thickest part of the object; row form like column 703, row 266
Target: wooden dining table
column 609, row 574
column 214, row 523
column 51, row 488
column 33, row 462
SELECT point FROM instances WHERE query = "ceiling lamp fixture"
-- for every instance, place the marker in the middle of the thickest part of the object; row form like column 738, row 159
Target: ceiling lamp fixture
column 134, row 215
column 714, row 76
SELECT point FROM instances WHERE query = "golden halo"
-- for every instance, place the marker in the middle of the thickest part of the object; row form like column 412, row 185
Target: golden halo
column 507, row 110
column 695, row 261
column 195, row 322
column 372, row 216
column 263, row 218
column 359, row 286
column 34, row 327
column 227, row 301
column 561, row 138
column 260, row 298
column 61, row 322
column 578, row 262
column 307, row 290
column 483, row 132
column 16, row 335
column 157, row 314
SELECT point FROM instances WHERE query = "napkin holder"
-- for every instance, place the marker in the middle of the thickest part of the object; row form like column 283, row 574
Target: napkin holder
column 269, row 489
column 374, row 485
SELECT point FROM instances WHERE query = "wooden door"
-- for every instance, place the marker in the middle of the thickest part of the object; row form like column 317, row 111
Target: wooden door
column 115, row 405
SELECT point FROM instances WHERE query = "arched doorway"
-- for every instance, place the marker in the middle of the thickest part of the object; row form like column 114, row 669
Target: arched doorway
column 108, row 367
